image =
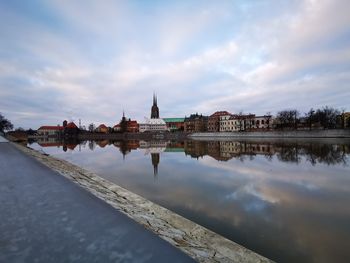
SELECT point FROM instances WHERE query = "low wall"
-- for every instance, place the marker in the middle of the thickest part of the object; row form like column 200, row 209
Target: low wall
column 277, row 134
column 133, row 136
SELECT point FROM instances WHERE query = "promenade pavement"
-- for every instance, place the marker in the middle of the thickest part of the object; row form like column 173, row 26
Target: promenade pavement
column 47, row 218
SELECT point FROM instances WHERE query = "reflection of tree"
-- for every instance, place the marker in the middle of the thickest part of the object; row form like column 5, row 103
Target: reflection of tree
column 325, row 153
column 285, row 151
column 313, row 152
column 92, row 145
column 289, row 154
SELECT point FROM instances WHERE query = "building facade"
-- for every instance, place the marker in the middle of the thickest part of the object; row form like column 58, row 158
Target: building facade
column 50, row 130
column 247, row 122
column 175, row 124
column 214, row 120
column 126, row 125
column 155, row 124
column 102, row 128
column 196, row 123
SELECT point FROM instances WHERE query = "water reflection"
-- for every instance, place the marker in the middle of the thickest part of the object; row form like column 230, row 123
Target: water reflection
column 286, row 151
column 285, row 199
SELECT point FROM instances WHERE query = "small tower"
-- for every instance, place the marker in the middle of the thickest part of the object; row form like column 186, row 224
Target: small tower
column 154, row 109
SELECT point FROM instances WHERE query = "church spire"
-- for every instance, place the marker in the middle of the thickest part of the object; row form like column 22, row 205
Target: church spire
column 154, row 99
column 154, row 109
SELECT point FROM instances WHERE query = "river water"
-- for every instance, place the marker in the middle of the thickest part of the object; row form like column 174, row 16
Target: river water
column 288, row 200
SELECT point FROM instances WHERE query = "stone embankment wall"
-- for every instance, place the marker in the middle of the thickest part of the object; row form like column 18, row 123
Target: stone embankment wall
column 339, row 133
column 196, row 241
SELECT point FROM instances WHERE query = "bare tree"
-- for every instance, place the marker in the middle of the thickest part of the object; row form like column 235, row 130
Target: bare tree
column 91, row 127
column 327, row 116
column 343, row 118
column 288, row 118
column 310, row 117
column 5, row 124
column 268, row 118
column 240, row 121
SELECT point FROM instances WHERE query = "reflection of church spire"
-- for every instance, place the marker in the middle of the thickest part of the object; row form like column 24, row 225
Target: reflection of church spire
column 155, row 161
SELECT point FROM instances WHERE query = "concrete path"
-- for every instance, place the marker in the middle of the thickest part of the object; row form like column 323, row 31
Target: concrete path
column 2, row 139
column 44, row 217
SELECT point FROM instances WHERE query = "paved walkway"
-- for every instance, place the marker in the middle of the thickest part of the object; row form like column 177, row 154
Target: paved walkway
column 44, row 217
column 2, row 139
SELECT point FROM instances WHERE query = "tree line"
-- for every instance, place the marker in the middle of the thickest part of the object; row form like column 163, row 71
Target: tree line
column 326, row 118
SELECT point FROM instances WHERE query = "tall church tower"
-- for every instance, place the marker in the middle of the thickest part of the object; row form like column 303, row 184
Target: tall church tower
column 154, row 109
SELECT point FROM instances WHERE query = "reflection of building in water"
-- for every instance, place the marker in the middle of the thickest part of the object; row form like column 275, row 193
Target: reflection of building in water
column 225, row 150
column 175, row 146
column 214, row 150
column 55, row 142
column 153, row 146
column 155, row 161
column 50, row 130
column 102, row 143
column 196, row 149
column 49, row 141
column 126, row 147
column 229, row 149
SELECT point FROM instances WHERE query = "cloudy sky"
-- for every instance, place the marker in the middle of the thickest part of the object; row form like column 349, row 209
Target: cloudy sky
column 89, row 60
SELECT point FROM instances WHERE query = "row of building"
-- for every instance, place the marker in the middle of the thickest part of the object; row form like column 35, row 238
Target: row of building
column 220, row 121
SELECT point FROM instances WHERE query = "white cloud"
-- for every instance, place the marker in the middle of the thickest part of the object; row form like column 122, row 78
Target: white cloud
column 104, row 58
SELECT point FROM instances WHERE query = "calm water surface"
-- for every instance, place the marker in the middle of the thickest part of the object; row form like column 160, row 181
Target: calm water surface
column 287, row 200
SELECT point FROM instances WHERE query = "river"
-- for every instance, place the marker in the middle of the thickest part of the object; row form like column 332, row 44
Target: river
column 287, row 200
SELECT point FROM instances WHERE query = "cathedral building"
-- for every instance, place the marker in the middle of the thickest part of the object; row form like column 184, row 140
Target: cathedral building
column 154, row 124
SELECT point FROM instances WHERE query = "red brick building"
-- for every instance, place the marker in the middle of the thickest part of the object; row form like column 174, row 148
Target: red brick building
column 102, row 128
column 132, row 126
column 214, row 120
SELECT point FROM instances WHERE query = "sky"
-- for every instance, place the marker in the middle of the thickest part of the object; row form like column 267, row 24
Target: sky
column 91, row 60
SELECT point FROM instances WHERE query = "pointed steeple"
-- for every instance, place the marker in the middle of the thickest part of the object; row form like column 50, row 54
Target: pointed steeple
column 154, row 99
column 154, row 109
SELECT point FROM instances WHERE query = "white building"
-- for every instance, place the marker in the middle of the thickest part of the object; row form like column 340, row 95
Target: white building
column 249, row 122
column 50, row 130
column 153, row 125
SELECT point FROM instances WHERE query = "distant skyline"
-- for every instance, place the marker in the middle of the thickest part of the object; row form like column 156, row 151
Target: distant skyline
column 89, row 60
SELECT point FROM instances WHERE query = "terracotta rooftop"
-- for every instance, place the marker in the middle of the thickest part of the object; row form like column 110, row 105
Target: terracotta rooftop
column 71, row 125
column 51, row 128
column 102, row 126
column 220, row 113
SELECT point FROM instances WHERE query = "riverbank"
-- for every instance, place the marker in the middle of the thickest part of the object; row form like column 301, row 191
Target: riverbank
column 134, row 136
column 337, row 133
column 46, row 218
column 196, row 241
